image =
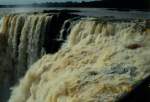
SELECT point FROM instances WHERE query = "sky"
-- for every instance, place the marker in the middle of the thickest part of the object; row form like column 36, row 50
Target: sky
column 33, row 1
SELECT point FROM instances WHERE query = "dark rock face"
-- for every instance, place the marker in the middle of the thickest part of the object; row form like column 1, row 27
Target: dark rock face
column 148, row 24
column 134, row 46
column 53, row 29
column 141, row 93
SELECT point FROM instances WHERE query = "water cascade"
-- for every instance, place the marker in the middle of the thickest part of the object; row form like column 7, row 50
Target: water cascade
column 99, row 62
column 25, row 38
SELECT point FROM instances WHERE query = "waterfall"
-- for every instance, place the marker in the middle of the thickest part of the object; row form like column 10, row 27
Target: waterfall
column 25, row 39
column 101, row 61
column 6, row 64
column 31, row 39
column 1, row 22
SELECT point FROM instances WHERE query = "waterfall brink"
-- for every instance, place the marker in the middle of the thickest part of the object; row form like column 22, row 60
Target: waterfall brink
column 23, row 40
column 99, row 62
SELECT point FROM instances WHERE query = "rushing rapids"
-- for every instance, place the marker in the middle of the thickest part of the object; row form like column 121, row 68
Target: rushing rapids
column 24, row 39
column 100, row 60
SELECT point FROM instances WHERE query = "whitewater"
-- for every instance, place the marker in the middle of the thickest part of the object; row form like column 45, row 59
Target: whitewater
column 85, row 59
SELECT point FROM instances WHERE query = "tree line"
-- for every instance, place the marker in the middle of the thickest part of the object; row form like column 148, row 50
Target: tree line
column 130, row 4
